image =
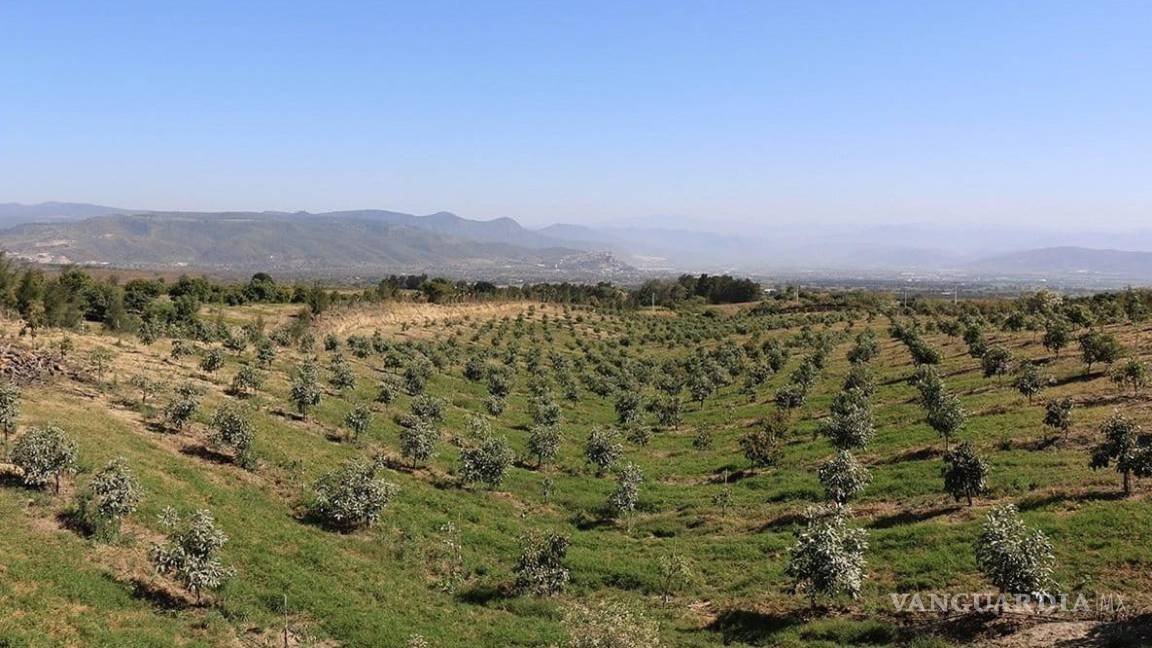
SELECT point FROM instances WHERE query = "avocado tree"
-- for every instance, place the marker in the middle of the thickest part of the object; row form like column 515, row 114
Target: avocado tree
column 828, row 556
column 1124, row 448
column 44, row 454
column 1015, row 558
column 965, row 473
column 191, row 554
column 111, row 495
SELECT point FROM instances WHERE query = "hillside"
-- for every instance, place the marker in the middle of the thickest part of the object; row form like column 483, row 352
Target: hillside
column 1070, row 261
column 369, row 242
column 441, row 560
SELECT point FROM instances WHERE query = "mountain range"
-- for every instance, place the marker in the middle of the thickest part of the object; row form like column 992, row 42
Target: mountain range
column 373, row 241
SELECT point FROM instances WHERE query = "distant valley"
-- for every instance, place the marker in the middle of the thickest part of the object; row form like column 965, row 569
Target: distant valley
column 371, row 242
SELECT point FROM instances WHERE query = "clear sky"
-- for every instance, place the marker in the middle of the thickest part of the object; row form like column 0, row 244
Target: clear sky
column 717, row 111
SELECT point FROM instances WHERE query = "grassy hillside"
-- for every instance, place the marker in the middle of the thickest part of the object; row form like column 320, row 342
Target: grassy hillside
column 379, row 585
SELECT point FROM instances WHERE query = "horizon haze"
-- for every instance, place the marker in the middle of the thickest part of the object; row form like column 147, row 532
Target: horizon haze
column 732, row 116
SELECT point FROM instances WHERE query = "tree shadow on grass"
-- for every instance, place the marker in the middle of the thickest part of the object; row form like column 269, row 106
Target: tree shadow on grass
column 1034, row 503
column 912, row 517
column 485, row 593
column 1136, row 631
column 782, row 521
column 734, row 475
column 159, row 596
column 750, row 626
column 920, row 454
column 202, row 451
column 599, row 518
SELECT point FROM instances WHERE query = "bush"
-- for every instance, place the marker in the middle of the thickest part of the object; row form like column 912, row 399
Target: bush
column 761, row 446
column 110, row 496
column 358, row 420
column 540, row 569
column 544, row 443
column 828, row 556
column 191, row 554
column 212, row 361
column 843, row 477
column 305, row 393
column 602, row 449
column 624, row 498
column 232, row 429
column 965, row 473
column 850, row 425
column 1058, row 415
column 9, row 408
column 351, row 496
column 485, row 462
column 44, row 454
column 180, row 410
column 1125, row 447
column 1016, row 559
column 418, row 442
column 428, row 408
column 246, row 380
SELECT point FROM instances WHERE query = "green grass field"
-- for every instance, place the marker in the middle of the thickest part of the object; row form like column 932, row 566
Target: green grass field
column 380, row 585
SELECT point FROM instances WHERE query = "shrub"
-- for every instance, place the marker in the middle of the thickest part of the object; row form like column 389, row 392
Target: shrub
column 851, row 424
column 996, row 361
column 1124, row 447
column 388, row 390
column 1029, row 381
column 110, row 496
column 145, row 385
column 1016, row 559
column 418, row 442
column 232, row 429
column 351, row 496
column 540, row 569
column 1099, row 347
column 9, row 408
column 1058, row 415
column 843, row 477
column 191, row 554
column 44, row 454
column 828, row 556
column 761, row 446
column 485, row 462
column 544, row 443
column 342, row 375
column 212, row 361
column 246, row 380
column 965, row 473
column 544, row 410
column 624, row 498
column 602, row 449
column 790, row 397
column 946, row 416
column 305, row 393
column 358, row 420
column 182, row 407
column 627, row 407
column 1132, row 374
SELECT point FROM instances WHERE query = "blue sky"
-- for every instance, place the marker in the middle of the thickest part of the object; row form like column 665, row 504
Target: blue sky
column 717, row 112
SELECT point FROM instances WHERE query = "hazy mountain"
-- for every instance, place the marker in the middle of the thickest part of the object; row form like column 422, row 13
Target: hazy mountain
column 12, row 214
column 1065, row 261
column 369, row 242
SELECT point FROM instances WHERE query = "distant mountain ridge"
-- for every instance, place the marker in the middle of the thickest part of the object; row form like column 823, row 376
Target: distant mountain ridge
column 376, row 240
column 1069, row 260
column 365, row 241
